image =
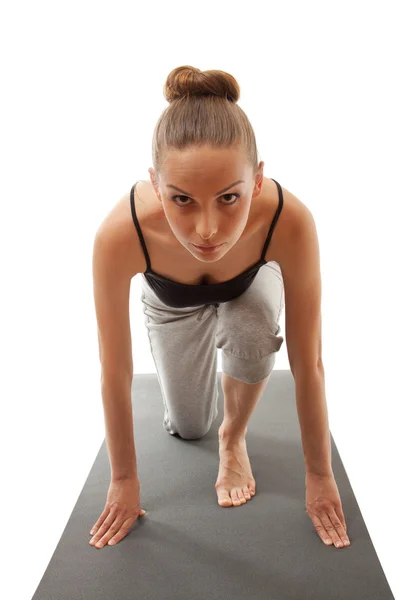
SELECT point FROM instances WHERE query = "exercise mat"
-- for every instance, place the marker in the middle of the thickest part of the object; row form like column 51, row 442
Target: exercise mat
column 187, row 546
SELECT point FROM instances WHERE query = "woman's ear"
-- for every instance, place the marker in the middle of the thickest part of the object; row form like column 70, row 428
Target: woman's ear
column 153, row 178
column 154, row 183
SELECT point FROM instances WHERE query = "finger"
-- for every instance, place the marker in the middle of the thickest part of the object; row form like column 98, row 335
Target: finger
column 125, row 528
column 340, row 514
column 320, row 529
column 105, row 527
column 112, row 531
column 123, row 532
column 338, row 525
column 100, row 520
column 330, row 522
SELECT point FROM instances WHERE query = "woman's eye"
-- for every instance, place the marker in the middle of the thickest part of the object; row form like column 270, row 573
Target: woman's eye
column 224, row 196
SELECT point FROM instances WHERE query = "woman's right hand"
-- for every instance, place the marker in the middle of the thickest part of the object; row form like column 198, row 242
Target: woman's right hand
column 120, row 512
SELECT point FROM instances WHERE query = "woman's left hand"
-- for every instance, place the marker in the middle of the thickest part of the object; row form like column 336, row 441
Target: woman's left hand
column 324, row 507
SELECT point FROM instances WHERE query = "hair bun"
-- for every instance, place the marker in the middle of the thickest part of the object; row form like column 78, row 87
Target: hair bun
column 188, row 81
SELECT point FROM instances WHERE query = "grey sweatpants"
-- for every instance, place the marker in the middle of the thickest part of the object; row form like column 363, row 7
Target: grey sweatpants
column 184, row 344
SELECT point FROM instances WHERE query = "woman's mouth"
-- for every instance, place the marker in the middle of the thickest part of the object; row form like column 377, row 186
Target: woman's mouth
column 207, row 248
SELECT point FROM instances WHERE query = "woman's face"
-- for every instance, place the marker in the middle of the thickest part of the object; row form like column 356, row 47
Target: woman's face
column 207, row 209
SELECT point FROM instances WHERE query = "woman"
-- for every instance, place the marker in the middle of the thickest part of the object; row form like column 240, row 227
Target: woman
column 208, row 190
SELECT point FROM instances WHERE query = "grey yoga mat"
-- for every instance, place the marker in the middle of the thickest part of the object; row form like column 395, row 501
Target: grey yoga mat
column 188, row 546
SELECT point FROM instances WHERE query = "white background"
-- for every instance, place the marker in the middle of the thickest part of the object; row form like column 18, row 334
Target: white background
column 81, row 93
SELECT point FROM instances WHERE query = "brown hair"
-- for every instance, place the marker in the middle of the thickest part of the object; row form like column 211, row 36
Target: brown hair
column 202, row 110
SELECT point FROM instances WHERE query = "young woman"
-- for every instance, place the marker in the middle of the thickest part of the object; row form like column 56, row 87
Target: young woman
column 221, row 249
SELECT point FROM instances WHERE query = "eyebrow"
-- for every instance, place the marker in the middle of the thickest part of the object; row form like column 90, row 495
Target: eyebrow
column 217, row 194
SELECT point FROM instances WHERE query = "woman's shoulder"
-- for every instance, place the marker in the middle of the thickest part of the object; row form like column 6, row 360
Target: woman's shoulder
column 119, row 229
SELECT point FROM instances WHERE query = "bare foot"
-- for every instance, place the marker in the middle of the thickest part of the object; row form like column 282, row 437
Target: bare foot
column 235, row 483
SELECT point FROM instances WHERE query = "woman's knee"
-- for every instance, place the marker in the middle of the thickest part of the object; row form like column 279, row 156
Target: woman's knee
column 192, row 431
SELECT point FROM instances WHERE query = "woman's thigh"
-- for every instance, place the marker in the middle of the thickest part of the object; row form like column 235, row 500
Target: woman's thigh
column 182, row 343
column 248, row 327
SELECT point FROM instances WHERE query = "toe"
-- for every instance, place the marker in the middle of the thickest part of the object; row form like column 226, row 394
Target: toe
column 241, row 496
column 246, row 493
column 235, row 499
column 223, row 498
